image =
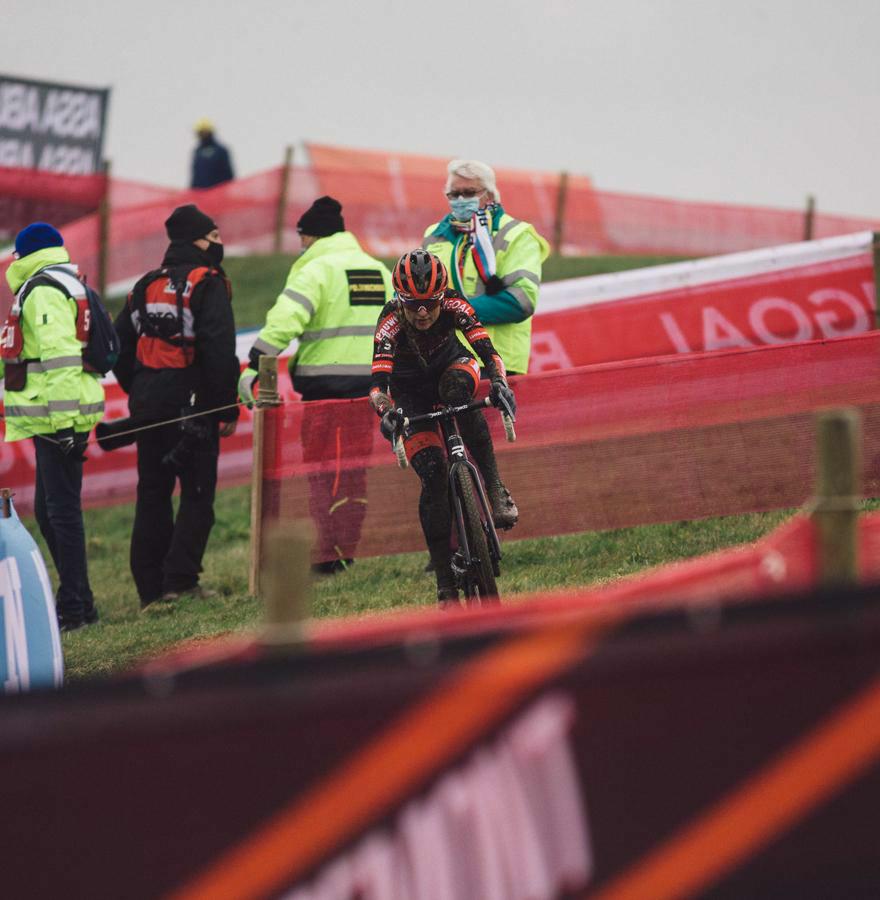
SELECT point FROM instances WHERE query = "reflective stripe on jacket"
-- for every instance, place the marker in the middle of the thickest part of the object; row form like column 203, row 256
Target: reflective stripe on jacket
column 331, row 300
column 519, row 253
column 57, row 392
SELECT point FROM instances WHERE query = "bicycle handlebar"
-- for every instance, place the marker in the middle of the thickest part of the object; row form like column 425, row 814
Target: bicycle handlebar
column 449, row 412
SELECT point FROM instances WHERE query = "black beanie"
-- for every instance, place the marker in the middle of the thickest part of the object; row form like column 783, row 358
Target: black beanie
column 188, row 223
column 322, row 218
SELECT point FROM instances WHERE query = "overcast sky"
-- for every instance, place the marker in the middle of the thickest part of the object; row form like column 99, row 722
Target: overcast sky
column 751, row 101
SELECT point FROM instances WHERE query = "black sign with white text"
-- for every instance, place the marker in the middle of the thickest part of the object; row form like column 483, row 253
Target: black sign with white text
column 51, row 127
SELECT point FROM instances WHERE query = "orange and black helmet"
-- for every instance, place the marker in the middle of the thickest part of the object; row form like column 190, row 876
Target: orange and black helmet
column 419, row 278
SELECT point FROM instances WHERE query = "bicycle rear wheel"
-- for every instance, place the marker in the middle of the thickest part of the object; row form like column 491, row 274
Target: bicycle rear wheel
column 479, row 581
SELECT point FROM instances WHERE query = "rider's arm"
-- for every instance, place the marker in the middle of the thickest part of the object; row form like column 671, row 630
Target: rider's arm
column 384, row 347
column 472, row 328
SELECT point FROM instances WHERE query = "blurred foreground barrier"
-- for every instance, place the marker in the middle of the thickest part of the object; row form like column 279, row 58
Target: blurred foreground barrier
column 30, row 645
column 551, row 758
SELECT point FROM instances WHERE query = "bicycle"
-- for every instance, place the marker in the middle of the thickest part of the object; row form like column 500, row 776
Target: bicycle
column 476, row 562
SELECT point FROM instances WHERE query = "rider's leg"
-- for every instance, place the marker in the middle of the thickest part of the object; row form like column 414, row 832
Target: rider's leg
column 429, row 463
column 458, row 385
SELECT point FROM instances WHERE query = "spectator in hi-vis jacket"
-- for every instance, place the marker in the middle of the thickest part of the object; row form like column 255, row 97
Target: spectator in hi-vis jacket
column 51, row 397
column 493, row 259
column 331, row 301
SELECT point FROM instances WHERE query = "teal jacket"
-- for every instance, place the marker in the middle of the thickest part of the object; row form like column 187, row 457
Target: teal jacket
column 519, row 254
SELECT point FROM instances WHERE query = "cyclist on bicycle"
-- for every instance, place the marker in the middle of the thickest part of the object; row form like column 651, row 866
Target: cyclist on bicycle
column 418, row 363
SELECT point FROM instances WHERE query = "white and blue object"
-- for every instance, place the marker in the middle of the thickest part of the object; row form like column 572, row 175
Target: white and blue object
column 30, row 644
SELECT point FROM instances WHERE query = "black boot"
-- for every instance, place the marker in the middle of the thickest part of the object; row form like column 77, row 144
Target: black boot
column 441, row 557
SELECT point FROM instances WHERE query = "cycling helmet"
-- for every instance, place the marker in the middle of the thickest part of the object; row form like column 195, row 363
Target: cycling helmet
column 419, row 276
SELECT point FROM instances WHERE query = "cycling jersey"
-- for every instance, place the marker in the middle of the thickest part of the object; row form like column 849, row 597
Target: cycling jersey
column 402, row 353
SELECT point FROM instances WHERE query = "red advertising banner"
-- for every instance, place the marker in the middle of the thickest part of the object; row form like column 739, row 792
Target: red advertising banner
column 810, row 302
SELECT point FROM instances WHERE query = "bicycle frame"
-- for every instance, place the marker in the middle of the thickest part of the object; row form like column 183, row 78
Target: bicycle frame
column 445, row 417
column 458, row 459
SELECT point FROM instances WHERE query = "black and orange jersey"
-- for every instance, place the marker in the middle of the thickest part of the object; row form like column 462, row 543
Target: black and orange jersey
column 402, row 351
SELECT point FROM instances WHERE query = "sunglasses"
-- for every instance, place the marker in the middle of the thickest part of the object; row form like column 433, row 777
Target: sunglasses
column 466, row 193
column 416, row 303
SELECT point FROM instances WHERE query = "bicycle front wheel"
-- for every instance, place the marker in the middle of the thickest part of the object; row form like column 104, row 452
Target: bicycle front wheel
column 479, row 580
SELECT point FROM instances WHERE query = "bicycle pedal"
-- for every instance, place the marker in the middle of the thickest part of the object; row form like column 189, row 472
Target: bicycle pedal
column 458, row 564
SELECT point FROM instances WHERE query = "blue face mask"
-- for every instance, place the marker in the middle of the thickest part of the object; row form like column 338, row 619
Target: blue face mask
column 463, row 208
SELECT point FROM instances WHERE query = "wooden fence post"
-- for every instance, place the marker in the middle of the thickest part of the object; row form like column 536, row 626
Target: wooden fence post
column 809, row 217
column 288, row 583
column 559, row 224
column 838, row 492
column 282, row 199
column 267, row 396
column 104, row 232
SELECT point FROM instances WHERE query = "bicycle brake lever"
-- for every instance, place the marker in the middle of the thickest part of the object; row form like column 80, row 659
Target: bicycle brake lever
column 506, row 409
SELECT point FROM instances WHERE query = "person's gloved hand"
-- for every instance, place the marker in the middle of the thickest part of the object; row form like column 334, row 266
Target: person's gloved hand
column 246, row 387
column 72, row 445
column 391, row 422
column 494, row 285
column 502, row 397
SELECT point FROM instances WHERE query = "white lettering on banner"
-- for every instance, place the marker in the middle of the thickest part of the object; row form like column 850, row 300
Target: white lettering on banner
column 757, row 316
column 719, row 333
column 65, row 113
column 71, row 114
column 67, row 159
column 16, row 154
column 19, row 107
column 17, row 663
column 827, row 320
column 673, row 332
column 509, row 824
column 548, row 353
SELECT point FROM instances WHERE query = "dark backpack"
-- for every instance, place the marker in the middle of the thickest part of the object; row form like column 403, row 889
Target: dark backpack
column 102, row 343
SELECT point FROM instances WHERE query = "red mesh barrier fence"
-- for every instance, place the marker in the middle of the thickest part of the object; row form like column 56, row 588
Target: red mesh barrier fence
column 29, row 195
column 390, row 198
column 602, row 447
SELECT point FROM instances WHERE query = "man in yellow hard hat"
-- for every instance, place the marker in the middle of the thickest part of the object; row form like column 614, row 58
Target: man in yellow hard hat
column 211, row 163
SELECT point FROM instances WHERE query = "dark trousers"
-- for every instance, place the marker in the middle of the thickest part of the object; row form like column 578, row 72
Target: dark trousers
column 58, row 512
column 166, row 553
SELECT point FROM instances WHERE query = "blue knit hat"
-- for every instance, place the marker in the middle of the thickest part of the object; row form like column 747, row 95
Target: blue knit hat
column 37, row 236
